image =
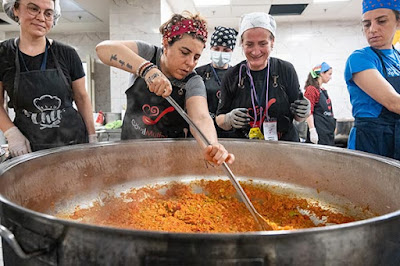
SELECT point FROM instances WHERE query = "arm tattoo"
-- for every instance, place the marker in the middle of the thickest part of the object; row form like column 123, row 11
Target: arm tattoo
column 129, row 66
column 121, row 62
column 150, row 79
column 113, row 57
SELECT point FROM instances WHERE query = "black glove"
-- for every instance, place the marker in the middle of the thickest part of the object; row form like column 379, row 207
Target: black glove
column 301, row 107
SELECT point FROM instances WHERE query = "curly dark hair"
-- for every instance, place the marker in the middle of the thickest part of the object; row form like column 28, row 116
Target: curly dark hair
column 179, row 17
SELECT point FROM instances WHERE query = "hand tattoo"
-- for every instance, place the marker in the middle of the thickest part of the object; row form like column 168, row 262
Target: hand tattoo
column 150, row 79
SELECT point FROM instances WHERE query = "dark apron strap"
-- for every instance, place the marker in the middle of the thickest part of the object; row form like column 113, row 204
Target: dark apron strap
column 60, row 72
column 42, row 68
column 18, row 67
column 397, row 141
column 378, row 53
column 17, row 74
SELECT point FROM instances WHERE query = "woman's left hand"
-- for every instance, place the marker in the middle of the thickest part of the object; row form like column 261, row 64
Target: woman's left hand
column 217, row 154
column 93, row 138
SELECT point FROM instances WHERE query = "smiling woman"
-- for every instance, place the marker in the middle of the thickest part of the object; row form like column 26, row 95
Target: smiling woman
column 261, row 96
column 166, row 71
column 43, row 78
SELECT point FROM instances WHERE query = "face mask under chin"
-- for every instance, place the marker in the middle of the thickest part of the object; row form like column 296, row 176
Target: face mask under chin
column 220, row 59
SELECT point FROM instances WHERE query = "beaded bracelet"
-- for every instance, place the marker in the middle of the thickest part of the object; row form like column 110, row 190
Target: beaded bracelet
column 141, row 66
column 143, row 69
column 147, row 69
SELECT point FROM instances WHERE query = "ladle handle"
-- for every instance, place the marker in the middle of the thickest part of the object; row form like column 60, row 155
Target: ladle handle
column 228, row 171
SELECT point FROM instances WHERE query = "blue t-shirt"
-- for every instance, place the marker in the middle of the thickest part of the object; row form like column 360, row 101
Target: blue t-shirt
column 363, row 59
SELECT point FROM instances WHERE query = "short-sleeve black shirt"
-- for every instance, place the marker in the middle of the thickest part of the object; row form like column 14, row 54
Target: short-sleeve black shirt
column 68, row 58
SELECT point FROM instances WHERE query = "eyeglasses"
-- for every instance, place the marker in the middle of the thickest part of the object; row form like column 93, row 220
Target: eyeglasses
column 34, row 10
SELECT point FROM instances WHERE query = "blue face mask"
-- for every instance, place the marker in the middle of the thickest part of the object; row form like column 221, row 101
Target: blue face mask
column 220, row 59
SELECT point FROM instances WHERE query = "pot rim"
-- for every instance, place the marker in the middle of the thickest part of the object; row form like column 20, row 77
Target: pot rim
column 5, row 166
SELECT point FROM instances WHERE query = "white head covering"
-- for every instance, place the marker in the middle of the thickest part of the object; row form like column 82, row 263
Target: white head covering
column 257, row 20
column 8, row 6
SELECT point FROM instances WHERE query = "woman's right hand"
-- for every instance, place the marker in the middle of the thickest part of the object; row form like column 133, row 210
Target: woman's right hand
column 217, row 154
column 18, row 144
column 158, row 83
column 313, row 135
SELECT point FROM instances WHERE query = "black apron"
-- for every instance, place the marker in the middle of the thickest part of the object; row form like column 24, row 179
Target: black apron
column 43, row 105
column 380, row 135
column 151, row 116
column 324, row 121
column 212, row 78
column 279, row 109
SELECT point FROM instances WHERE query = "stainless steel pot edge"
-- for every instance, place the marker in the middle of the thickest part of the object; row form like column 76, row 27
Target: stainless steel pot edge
column 15, row 161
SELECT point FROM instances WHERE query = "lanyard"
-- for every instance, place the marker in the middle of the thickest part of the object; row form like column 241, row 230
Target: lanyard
column 254, row 97
column 217, row 79
column 44, row 61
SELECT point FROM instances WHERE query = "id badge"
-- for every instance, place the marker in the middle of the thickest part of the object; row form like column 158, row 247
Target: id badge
column 270, row 130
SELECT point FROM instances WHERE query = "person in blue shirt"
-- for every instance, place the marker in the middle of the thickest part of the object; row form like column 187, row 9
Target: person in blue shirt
column 373, row 80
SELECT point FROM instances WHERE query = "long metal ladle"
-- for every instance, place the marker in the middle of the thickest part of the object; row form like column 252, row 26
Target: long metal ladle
column 261, row 221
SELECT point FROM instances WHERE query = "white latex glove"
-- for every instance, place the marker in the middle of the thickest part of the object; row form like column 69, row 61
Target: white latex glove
column 237, row 118
column 313, row 135
column 93, row 138
column 17, row 143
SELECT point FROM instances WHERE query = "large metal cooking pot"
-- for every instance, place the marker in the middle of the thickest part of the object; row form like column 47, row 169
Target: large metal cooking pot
column 33, row 186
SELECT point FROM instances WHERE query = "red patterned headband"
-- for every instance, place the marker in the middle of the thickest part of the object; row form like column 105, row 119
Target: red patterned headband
column 186, row 26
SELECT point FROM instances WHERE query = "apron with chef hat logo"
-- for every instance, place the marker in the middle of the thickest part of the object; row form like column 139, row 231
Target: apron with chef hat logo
column 151, row 116
column 43, row 105
column 380, row 135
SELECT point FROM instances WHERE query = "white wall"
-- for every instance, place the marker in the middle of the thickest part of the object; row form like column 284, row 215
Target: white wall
column 135, row 20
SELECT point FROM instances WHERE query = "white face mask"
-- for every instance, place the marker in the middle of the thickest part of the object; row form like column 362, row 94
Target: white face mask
column 220, row 59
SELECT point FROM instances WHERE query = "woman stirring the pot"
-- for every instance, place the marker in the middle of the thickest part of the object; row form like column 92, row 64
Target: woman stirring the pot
column 42, row 78
column 373, row 79
column 162, row 72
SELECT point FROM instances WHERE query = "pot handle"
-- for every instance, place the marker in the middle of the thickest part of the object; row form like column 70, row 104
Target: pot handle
column 9, row 237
